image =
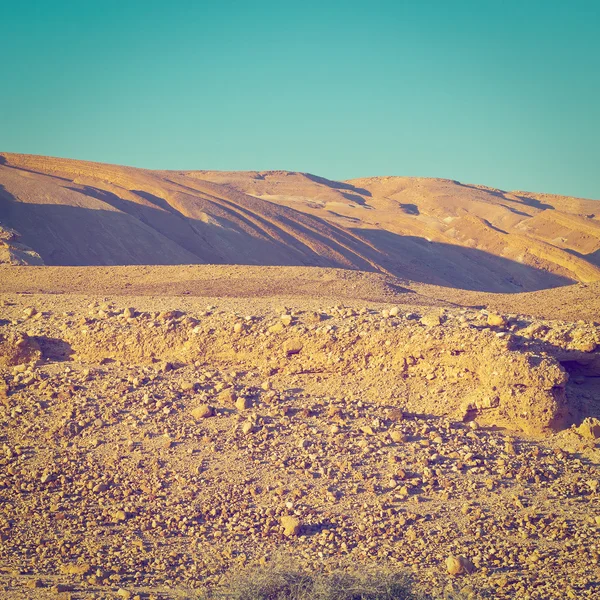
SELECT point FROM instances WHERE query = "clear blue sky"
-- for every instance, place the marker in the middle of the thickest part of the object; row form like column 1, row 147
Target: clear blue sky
column 504, row 93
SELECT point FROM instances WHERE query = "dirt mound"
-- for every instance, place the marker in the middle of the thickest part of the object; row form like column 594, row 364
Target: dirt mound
column 18, row 349
column 431, row 231
column 450, row 363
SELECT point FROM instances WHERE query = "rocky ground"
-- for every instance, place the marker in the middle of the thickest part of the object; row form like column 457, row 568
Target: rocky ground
column 149, row 445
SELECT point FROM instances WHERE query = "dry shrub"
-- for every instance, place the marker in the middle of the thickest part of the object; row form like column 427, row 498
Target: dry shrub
column 288, row 582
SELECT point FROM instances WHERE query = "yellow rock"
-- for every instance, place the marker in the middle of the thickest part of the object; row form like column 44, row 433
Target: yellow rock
column 241, row 403
column 397, row 436
column 590, row 429
column 459, row 565
column 495, row 320
column 292, row 347
column 277, row 328
column 291, row 526
column 202, row 412
column 227, row 396
column 76, row 569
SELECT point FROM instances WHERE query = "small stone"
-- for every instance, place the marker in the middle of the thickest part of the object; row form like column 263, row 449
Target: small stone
column 29, row 312
column 395, row 414
column 277, row 328
column 496, row 320
column 227, row 396
column 129, row 313
column 459, row 565
column 431, row 320
column 397, row 436
column 292, row 347
column 291, row 526
column 237, row 328
column 61, row 588
column 590, row 428
column 125, row 594
column 241, row 403
column 247, row 427
column 394, row 311
column 202, row 412
column 35, row 583
column 187, row 386
column 76, row 569
column 286, row 320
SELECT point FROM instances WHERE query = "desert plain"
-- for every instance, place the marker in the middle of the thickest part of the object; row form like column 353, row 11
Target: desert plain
column 203, row 372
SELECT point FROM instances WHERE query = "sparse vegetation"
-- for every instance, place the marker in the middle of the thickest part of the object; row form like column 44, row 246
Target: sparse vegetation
column 286, row 581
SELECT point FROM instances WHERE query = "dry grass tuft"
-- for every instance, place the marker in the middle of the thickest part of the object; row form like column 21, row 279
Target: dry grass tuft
column 287, row 582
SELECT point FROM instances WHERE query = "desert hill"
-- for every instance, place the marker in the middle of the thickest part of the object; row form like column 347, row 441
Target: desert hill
column 430, row 231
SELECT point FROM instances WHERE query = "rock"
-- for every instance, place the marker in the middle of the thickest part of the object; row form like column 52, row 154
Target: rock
column 129, row 313
column 277, row 328
column 61, row 588
column 292, row 347
column 459, row 565
column 227, row 396
column 241, row 403
column 589, row 429
column 247, row 427
column 35, row 583
column 431, row 320
column 237, row 328
column 395, row 414
column 169, row 314
column 291, row 526
column 394, row 311
column 29, row 312
column 487, row 402
column 496, row 320
column 187, row 386
column 202, row 412
column 76, row 569
column 47, row 477
column 123, row 593
column 286, row 320
column 120, row 516
column 397, row 436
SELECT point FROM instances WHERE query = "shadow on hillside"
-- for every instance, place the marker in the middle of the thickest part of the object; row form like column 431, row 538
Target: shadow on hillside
column 448, row 265
column 157, row 233
column 337, row 185
column 523, row 199
column 410, row 209
column 593, row 257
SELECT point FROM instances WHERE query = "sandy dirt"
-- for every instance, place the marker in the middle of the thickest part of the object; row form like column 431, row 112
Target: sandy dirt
column 159, row 423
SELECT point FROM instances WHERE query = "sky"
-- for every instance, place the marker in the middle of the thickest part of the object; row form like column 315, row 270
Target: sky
column 505, row 94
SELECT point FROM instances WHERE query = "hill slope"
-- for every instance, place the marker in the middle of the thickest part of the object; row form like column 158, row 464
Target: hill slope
column 431, row 231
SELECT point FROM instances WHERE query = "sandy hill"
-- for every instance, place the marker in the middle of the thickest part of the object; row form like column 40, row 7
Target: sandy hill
column 431, row 231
